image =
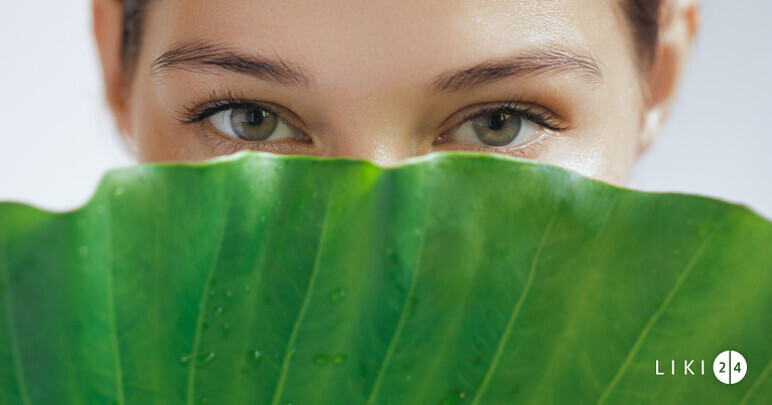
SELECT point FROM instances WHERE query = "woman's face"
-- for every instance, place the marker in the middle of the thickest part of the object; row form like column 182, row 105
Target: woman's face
column 555, row 81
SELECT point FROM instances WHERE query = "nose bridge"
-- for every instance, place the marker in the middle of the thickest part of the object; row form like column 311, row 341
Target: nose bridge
column 381, row 144
column 376, row 114
column 384, row 133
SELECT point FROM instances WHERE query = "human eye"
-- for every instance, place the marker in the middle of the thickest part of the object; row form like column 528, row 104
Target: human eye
column 503, row 127
column 251, row 123
column 244, row 123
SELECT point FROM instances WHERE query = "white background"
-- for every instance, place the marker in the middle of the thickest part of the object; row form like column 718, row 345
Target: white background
column 57, row 138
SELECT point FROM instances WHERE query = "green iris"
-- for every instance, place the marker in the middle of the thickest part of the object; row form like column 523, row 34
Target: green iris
column 497, row 129
column 252, row 124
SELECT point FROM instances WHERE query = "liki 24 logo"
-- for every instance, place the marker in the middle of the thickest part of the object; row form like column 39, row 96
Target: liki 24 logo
column 729, row 367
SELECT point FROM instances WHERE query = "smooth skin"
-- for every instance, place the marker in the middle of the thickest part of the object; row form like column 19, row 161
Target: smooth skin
column 388, row 80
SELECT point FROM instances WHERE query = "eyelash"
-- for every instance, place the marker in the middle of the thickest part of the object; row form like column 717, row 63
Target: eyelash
column 545, row 118
column 200, row 112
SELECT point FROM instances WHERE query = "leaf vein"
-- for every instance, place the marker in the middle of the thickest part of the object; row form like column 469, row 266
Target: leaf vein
column 304, row 307
column 110, row 291
column 653, row 320
column 764, row 374
column 403, row 313
column 515, row 312
column 17, row 366
column 202, row 310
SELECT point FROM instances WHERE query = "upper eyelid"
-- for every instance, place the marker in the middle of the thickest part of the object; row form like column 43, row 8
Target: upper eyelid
column 514, row 106
column 224, row 98
column 205, row 110
column 228, row 101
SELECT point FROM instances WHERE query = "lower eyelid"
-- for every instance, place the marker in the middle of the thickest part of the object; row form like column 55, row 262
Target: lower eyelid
column 539, row 140
column 217, row 143
column 528, row 149
column 224, row 145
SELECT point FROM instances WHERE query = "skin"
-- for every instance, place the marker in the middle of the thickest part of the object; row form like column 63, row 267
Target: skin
column 370, row 71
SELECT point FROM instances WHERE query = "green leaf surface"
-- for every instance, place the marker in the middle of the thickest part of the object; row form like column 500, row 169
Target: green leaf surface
column 453, row 279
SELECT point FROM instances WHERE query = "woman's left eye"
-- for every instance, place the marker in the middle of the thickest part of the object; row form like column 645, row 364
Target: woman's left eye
column 251, row 124
column 497, row 128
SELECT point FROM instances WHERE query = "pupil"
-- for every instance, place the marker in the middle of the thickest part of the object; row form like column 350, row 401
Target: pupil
column 497, row 129
column 254, row 117
column 496, row 122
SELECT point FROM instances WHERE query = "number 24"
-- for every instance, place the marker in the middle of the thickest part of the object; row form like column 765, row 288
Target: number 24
column 723, row 366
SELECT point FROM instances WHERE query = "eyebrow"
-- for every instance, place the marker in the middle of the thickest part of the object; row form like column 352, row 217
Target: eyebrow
column 543, row 61
column 205, row 56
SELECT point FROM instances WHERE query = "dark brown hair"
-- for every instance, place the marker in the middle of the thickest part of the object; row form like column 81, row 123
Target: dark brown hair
column 644, row 15
column 133, row 23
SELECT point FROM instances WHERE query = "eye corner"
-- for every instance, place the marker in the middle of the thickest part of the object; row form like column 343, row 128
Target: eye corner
column 188, row 116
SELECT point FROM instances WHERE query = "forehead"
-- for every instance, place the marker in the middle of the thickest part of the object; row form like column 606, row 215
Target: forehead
column 407, row 33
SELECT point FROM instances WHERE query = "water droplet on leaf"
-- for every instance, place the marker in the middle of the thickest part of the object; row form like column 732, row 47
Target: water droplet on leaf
column 205, row 359
column 321, row 360
column 453, row 397
column 218, row 311
column 340, row 359
column 256, row 356
column 337, row 294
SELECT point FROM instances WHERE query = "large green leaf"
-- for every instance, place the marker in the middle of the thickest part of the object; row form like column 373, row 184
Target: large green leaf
column 454, row 279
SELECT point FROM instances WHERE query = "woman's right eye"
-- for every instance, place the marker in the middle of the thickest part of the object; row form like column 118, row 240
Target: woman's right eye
column 251, row 124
